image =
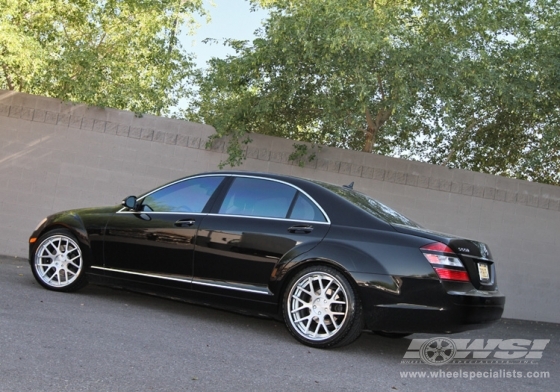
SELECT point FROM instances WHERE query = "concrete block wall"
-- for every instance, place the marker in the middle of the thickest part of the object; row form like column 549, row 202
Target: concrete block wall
column 56, row 156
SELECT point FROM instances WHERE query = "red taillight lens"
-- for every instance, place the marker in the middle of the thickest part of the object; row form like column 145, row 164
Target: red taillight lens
column 445, row 262
column 448, row 274
column 437, row 247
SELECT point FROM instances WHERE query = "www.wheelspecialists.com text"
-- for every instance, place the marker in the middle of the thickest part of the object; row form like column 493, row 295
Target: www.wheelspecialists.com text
column 472, row 375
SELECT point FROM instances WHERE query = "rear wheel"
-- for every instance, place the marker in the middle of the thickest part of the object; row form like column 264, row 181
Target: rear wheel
column 58, row 262
column 321, row 308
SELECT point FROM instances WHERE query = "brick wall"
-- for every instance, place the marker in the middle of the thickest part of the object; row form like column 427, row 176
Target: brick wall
column 56, row 156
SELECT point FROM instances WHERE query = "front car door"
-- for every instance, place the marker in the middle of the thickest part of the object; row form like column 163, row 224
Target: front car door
column 155, row 243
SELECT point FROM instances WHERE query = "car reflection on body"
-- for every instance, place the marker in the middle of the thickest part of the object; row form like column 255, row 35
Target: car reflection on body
column 326, row 259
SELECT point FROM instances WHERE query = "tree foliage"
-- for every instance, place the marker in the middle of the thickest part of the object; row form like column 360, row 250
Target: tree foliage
column 116, row 53
column 470, row 84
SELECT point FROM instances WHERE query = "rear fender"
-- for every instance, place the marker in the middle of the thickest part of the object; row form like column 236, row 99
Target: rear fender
column 336, row 254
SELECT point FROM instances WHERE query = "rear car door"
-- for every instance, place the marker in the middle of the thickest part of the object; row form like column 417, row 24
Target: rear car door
column 254, row 224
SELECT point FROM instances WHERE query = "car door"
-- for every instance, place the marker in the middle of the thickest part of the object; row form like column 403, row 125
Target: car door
column 253, row 225
column 155, row 243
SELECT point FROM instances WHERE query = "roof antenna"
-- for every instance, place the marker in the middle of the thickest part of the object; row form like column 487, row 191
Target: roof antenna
column 349, row 186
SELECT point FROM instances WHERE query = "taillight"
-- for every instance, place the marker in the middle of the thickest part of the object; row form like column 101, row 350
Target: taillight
column 445, row 262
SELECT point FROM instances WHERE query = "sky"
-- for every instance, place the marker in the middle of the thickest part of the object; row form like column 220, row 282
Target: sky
column 229, row 19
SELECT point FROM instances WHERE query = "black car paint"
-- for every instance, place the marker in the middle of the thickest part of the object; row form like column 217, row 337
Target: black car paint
column 228, row 266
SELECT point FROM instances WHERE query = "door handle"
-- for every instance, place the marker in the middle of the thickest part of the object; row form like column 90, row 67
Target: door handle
column 184, row 222
column 299, row 229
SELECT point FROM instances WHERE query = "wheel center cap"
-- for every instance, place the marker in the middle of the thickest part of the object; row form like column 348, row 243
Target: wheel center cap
column 60, row 260
column 317, row 307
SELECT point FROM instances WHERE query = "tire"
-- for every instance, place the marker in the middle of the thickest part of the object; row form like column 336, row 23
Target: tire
column 321, row 308
column 58, row 262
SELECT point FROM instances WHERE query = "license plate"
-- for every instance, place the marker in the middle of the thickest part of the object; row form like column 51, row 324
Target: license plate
column 483, row 271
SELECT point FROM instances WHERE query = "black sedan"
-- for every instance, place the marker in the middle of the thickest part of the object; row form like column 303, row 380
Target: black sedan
column 328, row 260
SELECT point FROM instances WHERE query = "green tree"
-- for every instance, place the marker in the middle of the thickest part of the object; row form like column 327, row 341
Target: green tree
column 470, row 84
column 115, row 53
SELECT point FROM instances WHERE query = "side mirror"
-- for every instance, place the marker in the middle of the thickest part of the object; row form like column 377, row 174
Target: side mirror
column 130, row 203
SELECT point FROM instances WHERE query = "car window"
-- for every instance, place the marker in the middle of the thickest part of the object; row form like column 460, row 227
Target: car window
column 190, row 195
column 371, row 206
column 258, row 197
column 305, row 209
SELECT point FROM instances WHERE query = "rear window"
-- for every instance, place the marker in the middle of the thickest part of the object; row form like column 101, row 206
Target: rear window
column 372, row 206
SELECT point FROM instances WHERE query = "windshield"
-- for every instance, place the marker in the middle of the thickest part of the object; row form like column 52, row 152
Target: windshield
column 372, row 206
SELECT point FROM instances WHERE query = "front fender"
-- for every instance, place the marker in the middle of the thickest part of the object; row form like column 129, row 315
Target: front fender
column 62, row 220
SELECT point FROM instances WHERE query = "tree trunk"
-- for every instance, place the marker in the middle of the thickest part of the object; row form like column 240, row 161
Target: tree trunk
column 8, row 78
column 373, row 127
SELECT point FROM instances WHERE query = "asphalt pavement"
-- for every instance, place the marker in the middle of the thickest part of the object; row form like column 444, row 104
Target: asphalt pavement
column 103, row 339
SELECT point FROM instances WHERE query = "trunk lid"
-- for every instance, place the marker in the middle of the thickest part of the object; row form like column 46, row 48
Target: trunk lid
column 475, row 255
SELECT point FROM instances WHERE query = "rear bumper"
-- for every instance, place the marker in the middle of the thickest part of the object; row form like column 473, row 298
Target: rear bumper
column 478, row 307
column 431, row 309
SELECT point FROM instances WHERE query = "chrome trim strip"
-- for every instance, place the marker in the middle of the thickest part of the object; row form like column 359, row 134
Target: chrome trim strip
column 476, row 257
column 221, row 215
column 269, row 218
column 141, row 274
column 201, row 282
column 232, row 286
column 160, row 212
column 409, row 306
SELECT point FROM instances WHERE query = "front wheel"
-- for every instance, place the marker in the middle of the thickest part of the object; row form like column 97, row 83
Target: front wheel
column 321, row 308
column 58, row 262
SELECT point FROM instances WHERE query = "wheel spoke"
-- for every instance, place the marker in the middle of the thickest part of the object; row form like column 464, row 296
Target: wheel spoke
column 300, row 308
column 316, row 329
column 310, row 285
column 52, row 277
column 333, row 320
column 309, row 319
column 322, row 289
column 329, row 285
column 47, row 269
column 48, row 251
column 335, row 292
column 302, row 319
column 75, row 265
column 301, row 288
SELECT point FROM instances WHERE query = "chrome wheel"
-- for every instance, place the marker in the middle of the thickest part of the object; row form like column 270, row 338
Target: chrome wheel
column 58, row 261
column 317, row 306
